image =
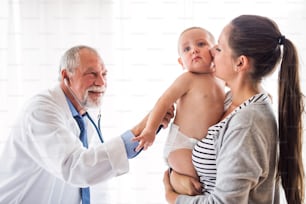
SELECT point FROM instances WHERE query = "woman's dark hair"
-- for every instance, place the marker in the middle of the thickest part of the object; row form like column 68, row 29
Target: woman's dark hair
column 259, row 39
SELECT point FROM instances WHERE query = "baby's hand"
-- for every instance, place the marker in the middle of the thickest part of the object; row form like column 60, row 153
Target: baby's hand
column 145, row 139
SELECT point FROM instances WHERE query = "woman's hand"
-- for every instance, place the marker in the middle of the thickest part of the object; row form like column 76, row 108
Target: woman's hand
column 170, row 194
column 186, row 185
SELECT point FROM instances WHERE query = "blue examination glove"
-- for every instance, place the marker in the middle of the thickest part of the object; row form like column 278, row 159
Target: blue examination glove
column 130, row 145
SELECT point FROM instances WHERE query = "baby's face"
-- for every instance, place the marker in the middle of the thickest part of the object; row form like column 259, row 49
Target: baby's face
column 194, row 50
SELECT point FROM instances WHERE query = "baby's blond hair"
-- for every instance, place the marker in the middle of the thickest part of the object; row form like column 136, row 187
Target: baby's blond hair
column 211, row 37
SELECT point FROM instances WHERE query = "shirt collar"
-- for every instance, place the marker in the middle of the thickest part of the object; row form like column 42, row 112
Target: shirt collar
column 72, row 108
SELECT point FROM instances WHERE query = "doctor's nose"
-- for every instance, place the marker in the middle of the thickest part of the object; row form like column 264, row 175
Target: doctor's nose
column 100, row 80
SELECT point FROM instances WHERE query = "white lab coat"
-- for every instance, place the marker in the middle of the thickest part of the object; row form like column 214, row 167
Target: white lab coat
column 45, row 162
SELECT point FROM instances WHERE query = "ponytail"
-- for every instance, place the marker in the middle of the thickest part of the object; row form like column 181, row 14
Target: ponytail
column 290, row 112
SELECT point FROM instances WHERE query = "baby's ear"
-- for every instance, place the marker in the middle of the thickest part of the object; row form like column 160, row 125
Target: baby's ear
column 180, row 62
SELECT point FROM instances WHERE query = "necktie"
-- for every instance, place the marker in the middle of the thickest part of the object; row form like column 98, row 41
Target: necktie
column 85, row 193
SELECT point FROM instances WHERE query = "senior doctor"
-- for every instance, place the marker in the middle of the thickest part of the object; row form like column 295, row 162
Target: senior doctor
column 44, row 159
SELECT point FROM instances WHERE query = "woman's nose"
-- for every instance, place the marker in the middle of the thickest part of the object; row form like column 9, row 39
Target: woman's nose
column 212, row 51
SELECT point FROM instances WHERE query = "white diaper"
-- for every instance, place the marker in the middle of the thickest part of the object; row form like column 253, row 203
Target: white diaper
column 177, row 140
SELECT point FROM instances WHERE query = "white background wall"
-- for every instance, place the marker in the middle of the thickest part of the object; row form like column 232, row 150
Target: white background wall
column 138, row 42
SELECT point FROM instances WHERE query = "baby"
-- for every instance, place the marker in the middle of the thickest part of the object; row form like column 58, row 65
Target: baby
column 199, row 98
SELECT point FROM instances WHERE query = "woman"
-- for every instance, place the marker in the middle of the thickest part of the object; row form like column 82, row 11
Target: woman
column 244, row 157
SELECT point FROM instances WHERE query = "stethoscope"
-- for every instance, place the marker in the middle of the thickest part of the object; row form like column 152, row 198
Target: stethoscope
column 98, row 129
column 85, row 113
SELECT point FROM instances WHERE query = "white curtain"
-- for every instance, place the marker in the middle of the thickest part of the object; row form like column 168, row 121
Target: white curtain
column 138, row 42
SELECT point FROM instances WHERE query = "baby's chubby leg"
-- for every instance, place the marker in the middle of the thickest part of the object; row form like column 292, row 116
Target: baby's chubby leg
column 180, row 160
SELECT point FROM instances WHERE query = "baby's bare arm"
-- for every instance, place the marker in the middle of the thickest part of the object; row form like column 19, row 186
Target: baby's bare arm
column 139, row 129
column 167, row 99
column 145, row 139
column 177, row 89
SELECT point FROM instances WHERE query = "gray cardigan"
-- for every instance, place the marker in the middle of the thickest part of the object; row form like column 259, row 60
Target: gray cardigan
column 246, row 160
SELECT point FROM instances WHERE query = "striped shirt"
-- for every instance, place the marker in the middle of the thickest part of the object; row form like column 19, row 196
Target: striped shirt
column 204, row 152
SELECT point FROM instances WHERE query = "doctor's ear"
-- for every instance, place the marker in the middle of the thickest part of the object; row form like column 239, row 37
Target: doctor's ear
column 65, row 76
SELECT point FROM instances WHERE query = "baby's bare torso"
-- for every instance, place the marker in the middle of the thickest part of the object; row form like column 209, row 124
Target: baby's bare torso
column 201, row 107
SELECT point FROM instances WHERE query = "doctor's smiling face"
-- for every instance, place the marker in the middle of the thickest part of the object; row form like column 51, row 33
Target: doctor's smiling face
column 88, row 79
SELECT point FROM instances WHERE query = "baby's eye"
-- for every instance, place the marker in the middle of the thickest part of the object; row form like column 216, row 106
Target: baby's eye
column 201, row 44
column 186, row 49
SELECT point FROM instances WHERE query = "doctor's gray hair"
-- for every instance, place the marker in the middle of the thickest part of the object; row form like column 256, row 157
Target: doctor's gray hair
column 71, row 59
